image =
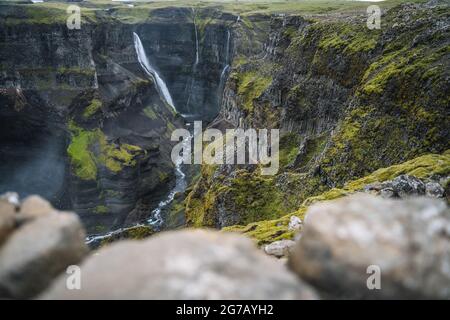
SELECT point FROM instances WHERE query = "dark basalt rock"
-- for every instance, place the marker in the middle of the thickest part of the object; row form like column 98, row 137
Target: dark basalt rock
column 52, row 74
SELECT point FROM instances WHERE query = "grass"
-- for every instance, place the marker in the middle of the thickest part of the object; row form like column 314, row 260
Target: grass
column 270, row 230
column 93, row 11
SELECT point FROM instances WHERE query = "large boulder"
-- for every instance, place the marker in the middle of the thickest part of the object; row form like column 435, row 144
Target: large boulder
column 40, row 247
column 344, row 242
column 34, row 207
column 7, row 219
column 183, row 265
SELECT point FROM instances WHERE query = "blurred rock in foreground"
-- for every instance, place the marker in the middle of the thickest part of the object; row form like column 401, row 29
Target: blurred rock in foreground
column 37, row 243
column 409, row 240
column 183, row 265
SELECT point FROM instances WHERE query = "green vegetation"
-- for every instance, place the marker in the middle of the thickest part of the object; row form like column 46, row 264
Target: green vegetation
column 423, row 167
column 83, row 161
column 348, row 37
column 133, row 233
column 421, row 62
column 93, row 11
column 89, row 149
column 92, row 109
column 289, row 147
column 251, row 86
column 101, row 209
column 150, row 112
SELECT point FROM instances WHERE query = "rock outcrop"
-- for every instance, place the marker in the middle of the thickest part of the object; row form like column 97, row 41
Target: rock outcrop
column 38, row 243
column 183, row 265
column 408, row 241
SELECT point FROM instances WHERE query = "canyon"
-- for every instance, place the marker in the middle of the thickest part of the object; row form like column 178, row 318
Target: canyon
column 88, row 114
column 93, row 120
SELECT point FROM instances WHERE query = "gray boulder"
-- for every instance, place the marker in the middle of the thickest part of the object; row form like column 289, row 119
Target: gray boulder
column 7, row 219
column 408, row 240
column 434, row 190
column 37, row 252
column 407, row 186
column 183, row 265
column 295, row 223
column 34, row 207
column 279, row 248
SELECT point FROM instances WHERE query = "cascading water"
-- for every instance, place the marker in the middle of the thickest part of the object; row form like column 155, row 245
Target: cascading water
column 145, row 64
column 227, row 66
column 196, row 39
column 197, row 58
column 227, row 50
column 156, row 220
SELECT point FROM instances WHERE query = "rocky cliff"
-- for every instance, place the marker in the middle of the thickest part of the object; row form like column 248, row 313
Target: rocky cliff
column 348, row 100
column 82, row 124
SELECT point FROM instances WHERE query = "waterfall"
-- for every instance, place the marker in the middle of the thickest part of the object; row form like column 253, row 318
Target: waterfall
column 196, row 38
column 226, row 67
column 145, row 64
column 197, row 59
column 227, row 52
column 224, row 71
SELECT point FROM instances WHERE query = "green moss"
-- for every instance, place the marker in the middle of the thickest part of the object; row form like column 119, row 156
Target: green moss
column 251, row 86
column 268, row 231
column 348, row 37
column 289, row 147
column 133, row 233
column 101, row 209
column 421, row 167
column 92, row 108
column 82, row 159
column 265, row 231
column 406, row 62
column 257, row 197
column 150, row 113
column 85, row 161
column 139, row 232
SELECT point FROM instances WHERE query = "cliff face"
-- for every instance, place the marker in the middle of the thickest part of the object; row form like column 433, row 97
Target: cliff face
column 348, row 101
column 84, row 126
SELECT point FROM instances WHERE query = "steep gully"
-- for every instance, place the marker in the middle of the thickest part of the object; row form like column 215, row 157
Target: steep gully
column 156, row 219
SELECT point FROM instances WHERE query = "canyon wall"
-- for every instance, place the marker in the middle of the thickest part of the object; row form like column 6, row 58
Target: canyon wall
column 348, row 100
column 81, row 122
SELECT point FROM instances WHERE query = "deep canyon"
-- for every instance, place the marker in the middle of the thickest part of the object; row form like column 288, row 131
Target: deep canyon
column 84, row 125
column 87, row 115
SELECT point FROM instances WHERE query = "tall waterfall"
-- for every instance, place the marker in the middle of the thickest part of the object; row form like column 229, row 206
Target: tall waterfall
column 226, row 67
column 196, row 39
column 197, row 59
column 227, row 52
column 145, row 64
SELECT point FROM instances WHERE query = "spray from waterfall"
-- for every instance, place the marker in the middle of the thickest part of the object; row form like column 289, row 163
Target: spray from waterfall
column 145, row 64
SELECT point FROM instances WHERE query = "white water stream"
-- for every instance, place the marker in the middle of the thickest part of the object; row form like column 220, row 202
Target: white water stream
column 150, row 70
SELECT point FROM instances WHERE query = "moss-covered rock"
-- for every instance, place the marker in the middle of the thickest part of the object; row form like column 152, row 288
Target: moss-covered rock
column 267, row 231
column 90, row 149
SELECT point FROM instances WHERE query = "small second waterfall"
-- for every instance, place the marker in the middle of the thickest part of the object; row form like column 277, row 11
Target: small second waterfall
column 196, row 39
column 143, row 60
